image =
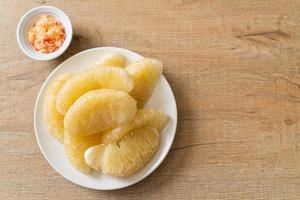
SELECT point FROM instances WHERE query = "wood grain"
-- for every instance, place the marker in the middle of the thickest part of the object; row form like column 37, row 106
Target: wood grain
column 234, row 67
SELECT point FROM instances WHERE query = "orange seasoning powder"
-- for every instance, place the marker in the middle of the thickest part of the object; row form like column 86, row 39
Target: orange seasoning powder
column 47, row 34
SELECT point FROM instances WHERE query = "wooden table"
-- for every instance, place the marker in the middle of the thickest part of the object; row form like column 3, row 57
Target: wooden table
column 234, row 67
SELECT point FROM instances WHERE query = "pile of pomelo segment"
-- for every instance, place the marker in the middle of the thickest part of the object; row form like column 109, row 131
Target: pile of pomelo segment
column 99, row 117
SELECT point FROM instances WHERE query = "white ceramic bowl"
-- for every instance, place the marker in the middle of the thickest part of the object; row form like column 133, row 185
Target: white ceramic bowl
column 31, row 17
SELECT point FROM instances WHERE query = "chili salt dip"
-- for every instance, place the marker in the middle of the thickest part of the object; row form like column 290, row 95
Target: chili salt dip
column 47, row 34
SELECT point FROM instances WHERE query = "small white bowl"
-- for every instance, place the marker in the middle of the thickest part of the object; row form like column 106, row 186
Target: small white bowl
column 31, row 17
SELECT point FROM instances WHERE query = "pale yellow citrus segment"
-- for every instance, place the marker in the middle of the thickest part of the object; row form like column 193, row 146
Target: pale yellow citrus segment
column 145, row 74
column 97, row 78
column 93, row 156
column 99, row 110
column 75, row 148
column 144, row 117
column 112, row 60
column 131, row 154
column 54, row 120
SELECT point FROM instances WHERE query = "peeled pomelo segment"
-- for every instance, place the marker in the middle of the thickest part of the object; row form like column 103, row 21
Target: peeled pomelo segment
column 75, row 148
column 93, row 156
column 112, row 60
column 145, row 74
column 131, row 154
column 143, row 118
column 97, row 78
column 128, row 156
column 54, row 120
column 99, row 110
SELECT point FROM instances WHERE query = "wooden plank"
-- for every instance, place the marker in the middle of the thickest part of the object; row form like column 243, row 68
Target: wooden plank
column 234, row 67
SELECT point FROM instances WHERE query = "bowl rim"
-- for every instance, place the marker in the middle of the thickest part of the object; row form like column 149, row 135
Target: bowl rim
column 34, row 54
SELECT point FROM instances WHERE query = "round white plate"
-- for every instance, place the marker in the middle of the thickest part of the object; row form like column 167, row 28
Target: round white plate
column 53, row 151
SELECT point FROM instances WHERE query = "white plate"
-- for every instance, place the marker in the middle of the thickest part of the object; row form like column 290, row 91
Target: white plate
column 53, row 151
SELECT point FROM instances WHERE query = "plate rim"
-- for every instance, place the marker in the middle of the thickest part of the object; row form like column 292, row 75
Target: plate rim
column 158, row 162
